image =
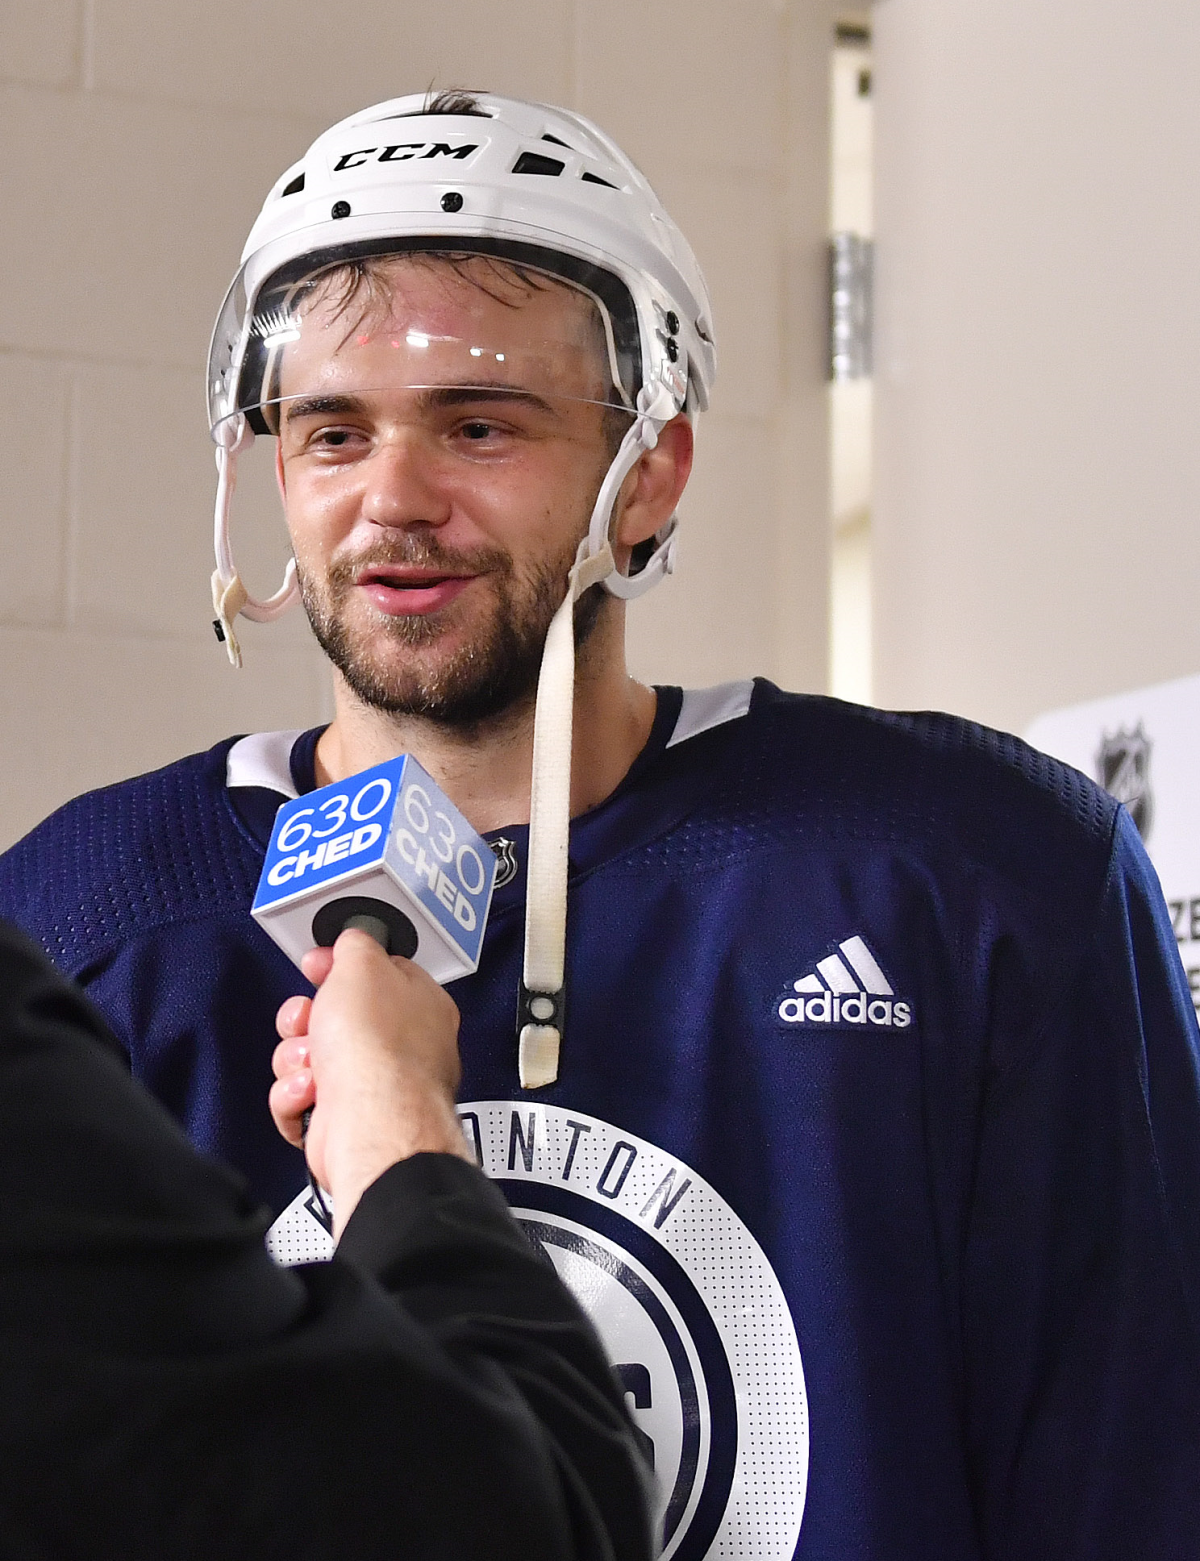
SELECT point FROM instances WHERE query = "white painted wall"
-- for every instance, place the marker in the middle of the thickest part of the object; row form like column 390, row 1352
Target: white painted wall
column 1037, row 392
column 137, row 139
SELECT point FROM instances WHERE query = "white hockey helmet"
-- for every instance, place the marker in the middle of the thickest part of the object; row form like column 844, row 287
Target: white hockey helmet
column 547, row 190
column 521, row 181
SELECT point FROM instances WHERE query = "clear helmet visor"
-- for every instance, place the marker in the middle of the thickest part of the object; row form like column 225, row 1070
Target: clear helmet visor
column 395, row 325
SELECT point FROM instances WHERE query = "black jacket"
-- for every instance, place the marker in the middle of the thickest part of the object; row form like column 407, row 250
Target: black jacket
column 169, row 1392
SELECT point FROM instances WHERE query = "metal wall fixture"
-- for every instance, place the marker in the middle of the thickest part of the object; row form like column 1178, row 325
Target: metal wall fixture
column 851, row 313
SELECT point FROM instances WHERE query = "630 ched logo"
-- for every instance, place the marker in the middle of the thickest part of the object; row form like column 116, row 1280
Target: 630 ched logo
column 689, row 1310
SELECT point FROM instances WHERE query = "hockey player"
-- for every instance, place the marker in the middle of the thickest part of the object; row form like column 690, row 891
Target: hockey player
column 854, row 1077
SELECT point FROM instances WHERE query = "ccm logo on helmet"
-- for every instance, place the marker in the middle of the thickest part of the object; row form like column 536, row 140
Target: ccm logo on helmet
column 403, row 152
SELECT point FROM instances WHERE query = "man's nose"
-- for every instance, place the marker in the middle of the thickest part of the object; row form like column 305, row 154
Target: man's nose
column 402, row 487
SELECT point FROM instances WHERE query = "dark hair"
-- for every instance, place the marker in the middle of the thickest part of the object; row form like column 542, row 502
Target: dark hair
column 351, row 279
column 454, row 100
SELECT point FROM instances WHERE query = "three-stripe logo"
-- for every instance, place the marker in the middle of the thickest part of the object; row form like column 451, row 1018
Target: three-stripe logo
column 848, row 988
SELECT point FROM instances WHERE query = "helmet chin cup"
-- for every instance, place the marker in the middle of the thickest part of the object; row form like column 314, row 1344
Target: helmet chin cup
column 660, row 564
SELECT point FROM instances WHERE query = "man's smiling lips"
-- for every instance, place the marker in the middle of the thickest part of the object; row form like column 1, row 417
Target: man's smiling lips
column 405, row 591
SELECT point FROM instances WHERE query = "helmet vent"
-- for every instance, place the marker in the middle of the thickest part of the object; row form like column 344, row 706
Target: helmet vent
column 534, row 162
column 556, row 140
column 294, row 186
column 594, row 178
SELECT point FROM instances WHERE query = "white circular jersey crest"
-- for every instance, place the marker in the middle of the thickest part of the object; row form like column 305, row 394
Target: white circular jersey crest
column 689, row 1310
column 685, row 1302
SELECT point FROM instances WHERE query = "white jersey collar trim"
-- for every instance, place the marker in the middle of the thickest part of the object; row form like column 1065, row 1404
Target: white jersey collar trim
column 263, row 759
column 704, row 708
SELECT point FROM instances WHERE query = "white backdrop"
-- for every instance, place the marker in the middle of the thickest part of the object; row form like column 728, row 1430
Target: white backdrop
column 1144, row 747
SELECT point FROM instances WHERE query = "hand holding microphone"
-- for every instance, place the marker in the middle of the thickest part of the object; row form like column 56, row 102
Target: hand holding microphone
column 375, row 1056
column 388, row 856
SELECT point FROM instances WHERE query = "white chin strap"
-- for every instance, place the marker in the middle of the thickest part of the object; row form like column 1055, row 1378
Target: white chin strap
column 230, row 596
column 542, row 998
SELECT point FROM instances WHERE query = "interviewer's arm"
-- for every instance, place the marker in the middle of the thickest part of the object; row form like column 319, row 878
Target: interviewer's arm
column 169, row 1393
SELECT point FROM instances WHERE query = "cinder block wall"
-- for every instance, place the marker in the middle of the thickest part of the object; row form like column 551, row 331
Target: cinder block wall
column 1038, row 318
column 137, row 139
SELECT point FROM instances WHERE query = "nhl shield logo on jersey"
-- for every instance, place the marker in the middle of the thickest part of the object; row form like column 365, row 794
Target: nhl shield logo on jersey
column 1123, row 769
column 505, row 852
column 846, row 989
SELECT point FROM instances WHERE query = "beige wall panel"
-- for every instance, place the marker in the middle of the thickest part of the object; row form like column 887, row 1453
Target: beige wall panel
column 123, row 223
column 33, row 499
column 793, row 582
column 754, row 547
column 118, row 706
column 713, row 620
column 296, row 59
column 1038, row 463
column 682, row 85
column 800, row 586
column 142, row 552
column 144, row 479
column 734, row 225
column 40, row 41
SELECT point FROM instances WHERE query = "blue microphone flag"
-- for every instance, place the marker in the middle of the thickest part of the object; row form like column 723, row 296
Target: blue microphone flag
column 389, row 836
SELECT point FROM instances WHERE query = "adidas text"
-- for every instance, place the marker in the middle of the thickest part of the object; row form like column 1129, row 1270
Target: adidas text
column 847, row 987
column 853, row 1008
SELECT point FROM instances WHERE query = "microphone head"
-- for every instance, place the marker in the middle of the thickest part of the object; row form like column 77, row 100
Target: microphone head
column 387, row 924
column 386, row 845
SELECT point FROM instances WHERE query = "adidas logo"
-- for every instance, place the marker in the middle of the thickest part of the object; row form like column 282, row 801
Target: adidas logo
column 846, row 988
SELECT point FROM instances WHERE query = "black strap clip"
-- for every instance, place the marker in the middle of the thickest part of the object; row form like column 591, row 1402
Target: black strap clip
column 538, row 1007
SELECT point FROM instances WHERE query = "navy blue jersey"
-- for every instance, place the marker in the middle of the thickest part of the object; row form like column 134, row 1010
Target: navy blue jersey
column 875, row 1148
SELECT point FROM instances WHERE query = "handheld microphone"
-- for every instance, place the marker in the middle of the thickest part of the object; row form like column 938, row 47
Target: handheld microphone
column 386, row 851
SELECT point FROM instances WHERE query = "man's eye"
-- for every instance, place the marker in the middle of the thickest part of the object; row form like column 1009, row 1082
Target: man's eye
column 476, row 430
column 331, row 438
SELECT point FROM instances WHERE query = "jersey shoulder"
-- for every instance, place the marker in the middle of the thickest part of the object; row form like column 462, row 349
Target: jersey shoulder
column 935, row 783
column 120, row 862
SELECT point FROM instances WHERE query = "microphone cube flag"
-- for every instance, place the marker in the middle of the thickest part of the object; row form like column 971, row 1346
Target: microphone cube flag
column 385, row 844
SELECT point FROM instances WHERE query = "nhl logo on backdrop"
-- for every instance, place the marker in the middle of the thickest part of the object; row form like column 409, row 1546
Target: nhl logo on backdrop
column 1123, row 769
column 690, row 1312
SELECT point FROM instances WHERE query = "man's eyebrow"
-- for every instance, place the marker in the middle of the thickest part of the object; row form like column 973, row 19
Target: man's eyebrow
column 469, row 395
column 322, row 406
column 430, row 397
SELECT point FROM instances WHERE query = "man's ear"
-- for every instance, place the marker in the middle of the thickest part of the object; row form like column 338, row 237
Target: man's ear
column 652, row 490
column 280, row 479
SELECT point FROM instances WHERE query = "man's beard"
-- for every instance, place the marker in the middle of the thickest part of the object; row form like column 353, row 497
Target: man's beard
column 483, row 678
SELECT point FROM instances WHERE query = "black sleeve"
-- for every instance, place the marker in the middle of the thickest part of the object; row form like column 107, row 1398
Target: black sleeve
column 170, row 1393
column 1082, row 1303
